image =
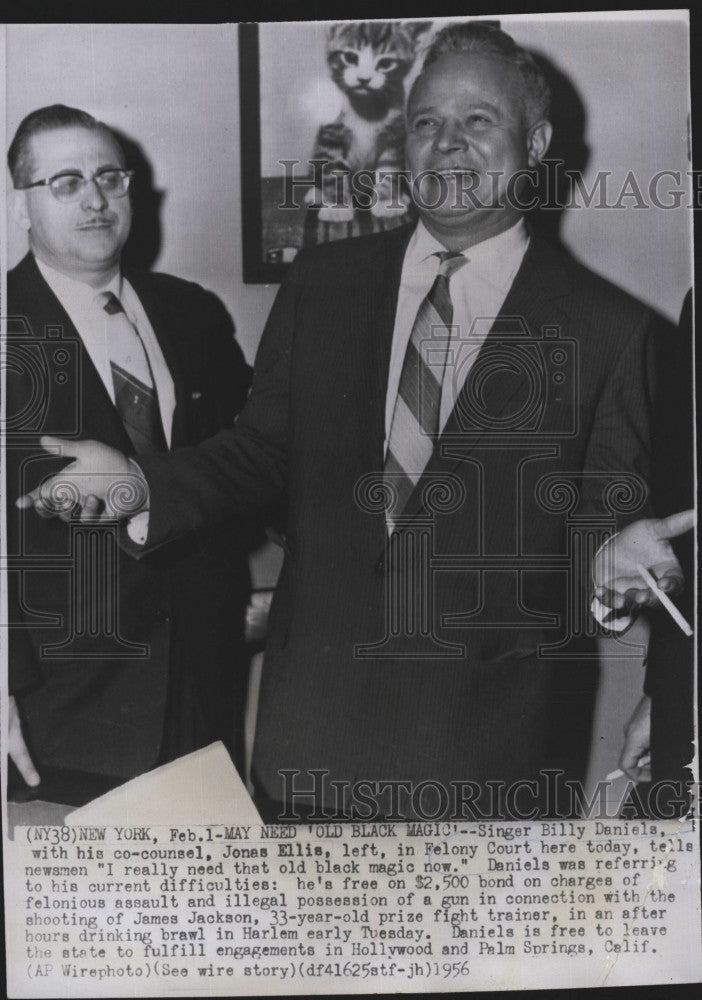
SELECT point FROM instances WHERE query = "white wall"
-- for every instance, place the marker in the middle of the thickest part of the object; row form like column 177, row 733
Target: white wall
column 633, row 77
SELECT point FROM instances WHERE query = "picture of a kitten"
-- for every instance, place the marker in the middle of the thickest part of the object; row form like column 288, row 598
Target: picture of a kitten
column 368, row 61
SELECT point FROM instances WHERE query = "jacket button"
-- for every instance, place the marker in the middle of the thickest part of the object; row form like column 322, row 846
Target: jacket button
column 162, row 616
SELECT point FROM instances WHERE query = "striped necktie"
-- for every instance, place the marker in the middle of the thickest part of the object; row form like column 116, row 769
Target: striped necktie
column 135, row 394
column 415, row 420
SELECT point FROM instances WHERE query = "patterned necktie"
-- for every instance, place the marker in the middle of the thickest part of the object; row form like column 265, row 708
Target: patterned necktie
column 135, row 393
column 415, row 419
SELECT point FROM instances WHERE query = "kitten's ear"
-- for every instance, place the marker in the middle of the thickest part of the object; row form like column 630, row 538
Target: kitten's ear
column 417, row 28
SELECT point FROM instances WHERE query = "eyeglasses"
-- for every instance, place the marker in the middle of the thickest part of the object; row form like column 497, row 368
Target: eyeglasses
column 70, row 186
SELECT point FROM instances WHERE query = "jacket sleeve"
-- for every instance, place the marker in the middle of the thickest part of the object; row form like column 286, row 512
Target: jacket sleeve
column 618, row 462
column 228, row 374
column 241, row 469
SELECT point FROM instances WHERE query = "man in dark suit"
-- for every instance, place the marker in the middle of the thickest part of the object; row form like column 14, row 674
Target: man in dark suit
column 114, row 664
column 444, row 407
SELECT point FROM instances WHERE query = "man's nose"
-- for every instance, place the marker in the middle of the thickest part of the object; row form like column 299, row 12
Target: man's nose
column 93, row 196
column 450, row 136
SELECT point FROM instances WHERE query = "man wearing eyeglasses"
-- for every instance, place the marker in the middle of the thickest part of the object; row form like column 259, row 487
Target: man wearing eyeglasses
column 114, row 664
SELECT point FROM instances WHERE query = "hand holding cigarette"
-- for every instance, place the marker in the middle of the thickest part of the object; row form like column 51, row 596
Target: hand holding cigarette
column 638, row 568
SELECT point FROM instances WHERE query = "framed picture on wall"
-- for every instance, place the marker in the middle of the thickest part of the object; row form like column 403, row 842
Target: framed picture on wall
column 322, row 134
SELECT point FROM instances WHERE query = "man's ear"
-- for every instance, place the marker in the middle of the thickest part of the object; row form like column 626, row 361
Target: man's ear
column 18, row 206
column 538, row 141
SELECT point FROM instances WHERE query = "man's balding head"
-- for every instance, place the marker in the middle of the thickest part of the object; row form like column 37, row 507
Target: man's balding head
column 54, row 116
column 479, row 38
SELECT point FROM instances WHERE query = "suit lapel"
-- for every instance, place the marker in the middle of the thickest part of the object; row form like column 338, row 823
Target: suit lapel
column 531, row 305
column 377, row 291
column 79, row 405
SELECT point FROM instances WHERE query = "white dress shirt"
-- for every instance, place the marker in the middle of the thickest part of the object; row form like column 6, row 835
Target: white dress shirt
column 92, row 323
column 478, row 291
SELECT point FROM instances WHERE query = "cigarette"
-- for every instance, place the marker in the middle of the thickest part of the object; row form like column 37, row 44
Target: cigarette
column 613, row 775
column 664, row 599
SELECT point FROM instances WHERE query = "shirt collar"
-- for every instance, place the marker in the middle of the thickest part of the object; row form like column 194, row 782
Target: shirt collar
column 494, row 258
column 77, row 293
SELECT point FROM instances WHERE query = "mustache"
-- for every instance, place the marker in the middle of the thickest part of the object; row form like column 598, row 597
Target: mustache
column 98, row 221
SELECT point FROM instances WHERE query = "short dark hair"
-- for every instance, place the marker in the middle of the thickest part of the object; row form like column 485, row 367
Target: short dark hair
column 54, row 116
column 478, row 37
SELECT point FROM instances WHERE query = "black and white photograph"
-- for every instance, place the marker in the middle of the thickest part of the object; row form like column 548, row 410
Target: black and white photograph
column 348, row 554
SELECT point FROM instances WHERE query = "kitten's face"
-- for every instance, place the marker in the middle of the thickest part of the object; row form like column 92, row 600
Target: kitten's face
column 361, row 69
column 368, row 57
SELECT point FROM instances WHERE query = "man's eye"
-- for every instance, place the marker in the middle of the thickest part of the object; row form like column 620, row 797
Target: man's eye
column 479, row 120
column 424, row 124
column 109, row 180
column 68, row 184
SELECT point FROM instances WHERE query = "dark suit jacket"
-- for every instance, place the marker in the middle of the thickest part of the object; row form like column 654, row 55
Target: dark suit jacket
column 112, row 696
column 464, row 697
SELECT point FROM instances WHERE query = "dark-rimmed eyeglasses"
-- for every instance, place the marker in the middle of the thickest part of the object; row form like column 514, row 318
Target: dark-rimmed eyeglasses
column 67, row 187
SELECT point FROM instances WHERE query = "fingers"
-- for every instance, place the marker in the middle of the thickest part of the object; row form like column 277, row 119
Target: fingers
column 640, row 598
column 637, row 772
column 610, row 598
column 35, row 501
column 623, row 590
column 633, row 591
column 67, row 449
column 676, row 524
column 669, row 577
column 23, row 763
column 91, row 509
column 17, row 748
column 28, row 500
column 40, row 501
column 634, row 760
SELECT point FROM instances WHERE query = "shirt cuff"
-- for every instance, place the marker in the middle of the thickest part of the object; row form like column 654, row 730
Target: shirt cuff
column 138, row 526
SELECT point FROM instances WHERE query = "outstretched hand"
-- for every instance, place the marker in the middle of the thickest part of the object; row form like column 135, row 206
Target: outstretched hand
column 618, row 582
column 100, row 485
